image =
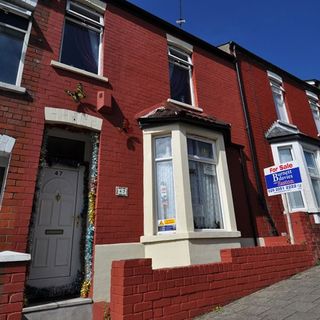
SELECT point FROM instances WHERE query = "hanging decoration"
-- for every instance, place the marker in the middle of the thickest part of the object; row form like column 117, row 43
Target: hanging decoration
column 90, row 217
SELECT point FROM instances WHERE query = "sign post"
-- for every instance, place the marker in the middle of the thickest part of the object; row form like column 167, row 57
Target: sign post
column 282, row 179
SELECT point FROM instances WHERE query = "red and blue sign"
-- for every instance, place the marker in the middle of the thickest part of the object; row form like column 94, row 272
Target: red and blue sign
column 283, row 178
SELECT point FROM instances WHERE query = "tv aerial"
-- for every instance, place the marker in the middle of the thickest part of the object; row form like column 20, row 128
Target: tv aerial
column 181, row 20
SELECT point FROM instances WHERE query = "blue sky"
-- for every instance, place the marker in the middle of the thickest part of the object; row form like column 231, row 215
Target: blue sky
column 284, row 32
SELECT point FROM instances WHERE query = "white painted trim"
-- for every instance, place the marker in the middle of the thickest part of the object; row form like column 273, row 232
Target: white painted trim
column 184, row 215
column 274, row 77
column 58, row 304
column 12, row 88
column 12, row 256
column 312, row 95
column 215, row 234
column 6, row 144
column 63, row 66
column 97, row 5
column 83, row 120
column 173, row 41
column 185, row 105
column 28, row 4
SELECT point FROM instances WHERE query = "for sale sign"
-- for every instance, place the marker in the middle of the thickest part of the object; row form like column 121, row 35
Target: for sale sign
column 283, row 178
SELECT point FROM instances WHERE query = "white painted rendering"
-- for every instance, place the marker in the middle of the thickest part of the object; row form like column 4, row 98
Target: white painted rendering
column 64, row 66
column 12, row 256
column 78, row 119
column 103, row 257
column 273, row 76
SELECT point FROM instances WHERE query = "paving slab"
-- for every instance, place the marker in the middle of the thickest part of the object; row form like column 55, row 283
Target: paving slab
column 297, row 298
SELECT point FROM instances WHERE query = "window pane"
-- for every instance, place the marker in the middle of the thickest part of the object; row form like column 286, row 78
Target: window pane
column 316, row 117
column 279, row 103
column 316, row 189
column 163, row 147
column 80, row 47
column 285, row 155
column 14, row 20
column 311, row 164
column 180, row 83
column 165, row 195
column 11, row 43
column 179, row 54
column 295, row 200
column 200, row 148
column 205, row 196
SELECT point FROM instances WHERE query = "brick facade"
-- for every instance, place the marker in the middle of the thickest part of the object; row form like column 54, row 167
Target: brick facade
column 138, row 292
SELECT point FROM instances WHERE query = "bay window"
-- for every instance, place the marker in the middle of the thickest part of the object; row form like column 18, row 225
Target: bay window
column 186, row 182
column 310, row 158
column 82, row 38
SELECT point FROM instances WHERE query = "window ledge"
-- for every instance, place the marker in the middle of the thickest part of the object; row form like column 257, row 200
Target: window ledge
column 191, row 235
column 185, row 105
column 12, row 88
column 12, row 256
column 63, row 66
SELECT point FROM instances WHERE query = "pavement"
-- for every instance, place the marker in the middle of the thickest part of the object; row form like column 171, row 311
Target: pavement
column 297, row 298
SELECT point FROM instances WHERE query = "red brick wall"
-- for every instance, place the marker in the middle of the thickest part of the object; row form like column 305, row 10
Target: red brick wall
column 262, row 115
column 12, row 277
column 138, row 292
column 136, row 64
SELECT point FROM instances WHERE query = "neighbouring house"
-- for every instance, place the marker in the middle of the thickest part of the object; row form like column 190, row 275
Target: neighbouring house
column 124, row 137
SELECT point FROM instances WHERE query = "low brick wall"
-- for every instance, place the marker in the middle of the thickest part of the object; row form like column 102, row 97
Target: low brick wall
column 140, row 293
column 12, row 279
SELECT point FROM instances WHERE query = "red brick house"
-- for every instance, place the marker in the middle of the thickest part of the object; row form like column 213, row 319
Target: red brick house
column 121, row 137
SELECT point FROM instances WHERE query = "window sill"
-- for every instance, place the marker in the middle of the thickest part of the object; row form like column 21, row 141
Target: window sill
column 185, row 105
column 63, row 66
column 191, row 235
column 12, row 256
column 12, row 88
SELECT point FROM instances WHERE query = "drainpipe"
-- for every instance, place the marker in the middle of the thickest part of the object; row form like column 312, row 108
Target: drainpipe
column 253, row 151
column 246, row 184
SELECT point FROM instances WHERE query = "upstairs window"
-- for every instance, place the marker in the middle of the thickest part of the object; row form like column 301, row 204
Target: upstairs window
column 314, row 105
column 278, row 96
column 82, row 38
column 15, row 29
column 180, row 69
column 204, row 185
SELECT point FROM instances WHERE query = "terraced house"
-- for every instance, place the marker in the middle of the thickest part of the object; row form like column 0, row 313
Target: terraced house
column 123, row 137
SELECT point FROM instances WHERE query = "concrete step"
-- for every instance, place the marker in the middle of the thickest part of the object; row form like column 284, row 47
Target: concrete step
column 72, row 309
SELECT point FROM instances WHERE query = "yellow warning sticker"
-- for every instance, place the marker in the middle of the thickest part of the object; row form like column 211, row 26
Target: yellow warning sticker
column 169, row 221
column 161, row 223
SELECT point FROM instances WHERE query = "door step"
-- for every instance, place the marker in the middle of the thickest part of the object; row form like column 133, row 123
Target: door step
column 72, row 309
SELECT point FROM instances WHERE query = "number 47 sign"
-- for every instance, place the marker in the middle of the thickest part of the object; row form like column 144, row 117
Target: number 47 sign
column 283, row 178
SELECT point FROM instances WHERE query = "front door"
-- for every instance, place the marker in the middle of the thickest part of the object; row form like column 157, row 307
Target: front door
column 55, row 247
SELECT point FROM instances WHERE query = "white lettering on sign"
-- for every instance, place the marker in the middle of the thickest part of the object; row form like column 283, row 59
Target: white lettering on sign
column 122, row 191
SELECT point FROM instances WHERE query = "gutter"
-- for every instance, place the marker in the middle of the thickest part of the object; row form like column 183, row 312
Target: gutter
column 253, row 150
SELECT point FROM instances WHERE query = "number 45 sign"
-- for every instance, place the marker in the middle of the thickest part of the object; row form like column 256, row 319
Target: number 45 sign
column 283, row 178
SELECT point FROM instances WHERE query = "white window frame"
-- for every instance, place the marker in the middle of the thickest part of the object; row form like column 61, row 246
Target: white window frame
column 315, row 108
column 186, row 49
column 89, row 23
column 308, row 196
column 276, row 83
column 25, row 14
column 180, row 161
